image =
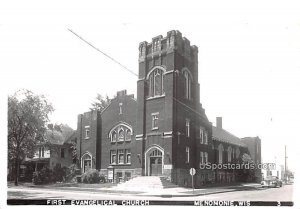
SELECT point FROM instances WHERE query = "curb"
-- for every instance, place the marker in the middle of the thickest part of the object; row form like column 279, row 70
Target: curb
column 144, row 194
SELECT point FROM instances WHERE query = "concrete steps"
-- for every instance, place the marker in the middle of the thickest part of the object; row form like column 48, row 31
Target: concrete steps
column 145, row 183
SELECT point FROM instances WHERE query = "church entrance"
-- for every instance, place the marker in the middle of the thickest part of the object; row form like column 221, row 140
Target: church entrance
column 155, row 166
column 86, row 162
column 154, row 162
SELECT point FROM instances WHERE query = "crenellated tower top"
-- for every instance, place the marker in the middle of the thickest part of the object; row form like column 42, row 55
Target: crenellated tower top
column 172, row 42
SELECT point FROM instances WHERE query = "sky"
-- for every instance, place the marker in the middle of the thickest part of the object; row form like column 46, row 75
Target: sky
column 249, row 65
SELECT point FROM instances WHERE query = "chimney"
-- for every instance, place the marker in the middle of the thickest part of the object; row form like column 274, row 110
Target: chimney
column 121, row 93
column 219, row 122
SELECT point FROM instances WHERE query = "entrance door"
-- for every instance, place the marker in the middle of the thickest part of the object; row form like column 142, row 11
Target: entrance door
column 87, row 165
column 155, row 166
column 155, row 163
column 86, row 162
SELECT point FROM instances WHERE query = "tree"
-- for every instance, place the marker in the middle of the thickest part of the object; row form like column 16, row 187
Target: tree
column 27, row 119
column 247, row 173
column 101, row 103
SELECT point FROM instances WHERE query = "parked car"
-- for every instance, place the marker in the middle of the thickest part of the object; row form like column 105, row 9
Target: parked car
column 271, row 181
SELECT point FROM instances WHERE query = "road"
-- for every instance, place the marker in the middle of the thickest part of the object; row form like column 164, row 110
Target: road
column 284, row 193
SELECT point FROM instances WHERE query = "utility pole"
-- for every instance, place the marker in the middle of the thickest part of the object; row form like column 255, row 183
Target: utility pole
column 285, row 166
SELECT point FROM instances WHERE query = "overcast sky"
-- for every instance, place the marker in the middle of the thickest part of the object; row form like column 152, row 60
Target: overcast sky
column 248, row 58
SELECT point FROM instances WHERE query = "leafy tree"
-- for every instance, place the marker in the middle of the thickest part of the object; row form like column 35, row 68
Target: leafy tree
column 27, row 118
column 100, row 103
column 246, row 174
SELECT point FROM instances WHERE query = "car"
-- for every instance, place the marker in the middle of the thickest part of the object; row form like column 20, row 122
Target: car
column 271, row 181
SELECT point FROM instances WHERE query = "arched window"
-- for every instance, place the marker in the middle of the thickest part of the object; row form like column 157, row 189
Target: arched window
column 156, row 82
column 156, row 153
column 128, row 135
column 187, row 84
column 120, row 132
column 121, row 135
column 229, row 153
column 86, row 162
column 220, row 149
column 114, row 136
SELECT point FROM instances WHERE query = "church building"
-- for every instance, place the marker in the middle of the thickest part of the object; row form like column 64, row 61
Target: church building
column 164, row 131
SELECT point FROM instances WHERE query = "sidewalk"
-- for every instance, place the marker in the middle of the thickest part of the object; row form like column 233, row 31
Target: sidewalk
column 188, row 192
column 165, row 193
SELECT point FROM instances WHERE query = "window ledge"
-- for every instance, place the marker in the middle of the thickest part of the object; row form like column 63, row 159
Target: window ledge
column 128, row 164
column 155, row 97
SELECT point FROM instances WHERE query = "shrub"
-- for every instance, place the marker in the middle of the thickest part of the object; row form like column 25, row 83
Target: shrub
column 59, row 173
column 102, row 179
column 71, row 173
column 91, row 176
column 44, row 176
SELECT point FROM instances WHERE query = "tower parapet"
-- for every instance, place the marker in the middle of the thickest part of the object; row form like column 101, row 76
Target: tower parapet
column 163, row 45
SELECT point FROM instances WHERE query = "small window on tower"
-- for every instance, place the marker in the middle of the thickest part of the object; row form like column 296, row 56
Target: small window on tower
column 187, row 152
column 155, row 121
column 87, row 132
column 120, row 108
column 187, row 127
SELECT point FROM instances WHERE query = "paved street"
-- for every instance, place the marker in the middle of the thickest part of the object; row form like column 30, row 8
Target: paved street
column 284, row 193
column 250, row 194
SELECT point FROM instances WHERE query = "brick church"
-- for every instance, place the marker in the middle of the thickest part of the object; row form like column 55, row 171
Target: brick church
column 164, row 131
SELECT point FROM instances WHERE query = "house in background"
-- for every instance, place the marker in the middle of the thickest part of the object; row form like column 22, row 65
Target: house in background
column 55, row 151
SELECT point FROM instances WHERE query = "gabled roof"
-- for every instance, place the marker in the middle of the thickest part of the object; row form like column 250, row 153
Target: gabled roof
column 71, row 138
column 54, row 137
column 59, row 138
column 222, row 135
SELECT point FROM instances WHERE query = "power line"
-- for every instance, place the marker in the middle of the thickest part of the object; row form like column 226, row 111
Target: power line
column 114, row 60
column 124, row 67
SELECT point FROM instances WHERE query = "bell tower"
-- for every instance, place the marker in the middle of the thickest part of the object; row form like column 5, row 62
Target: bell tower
column 168, row 104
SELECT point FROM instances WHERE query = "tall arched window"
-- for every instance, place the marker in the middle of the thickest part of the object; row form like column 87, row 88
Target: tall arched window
column 229, row 153
column 121, row 135
column 220, row 149
column 187, row 84
column 128, row 135
column 114, row 136
column 156, row 82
